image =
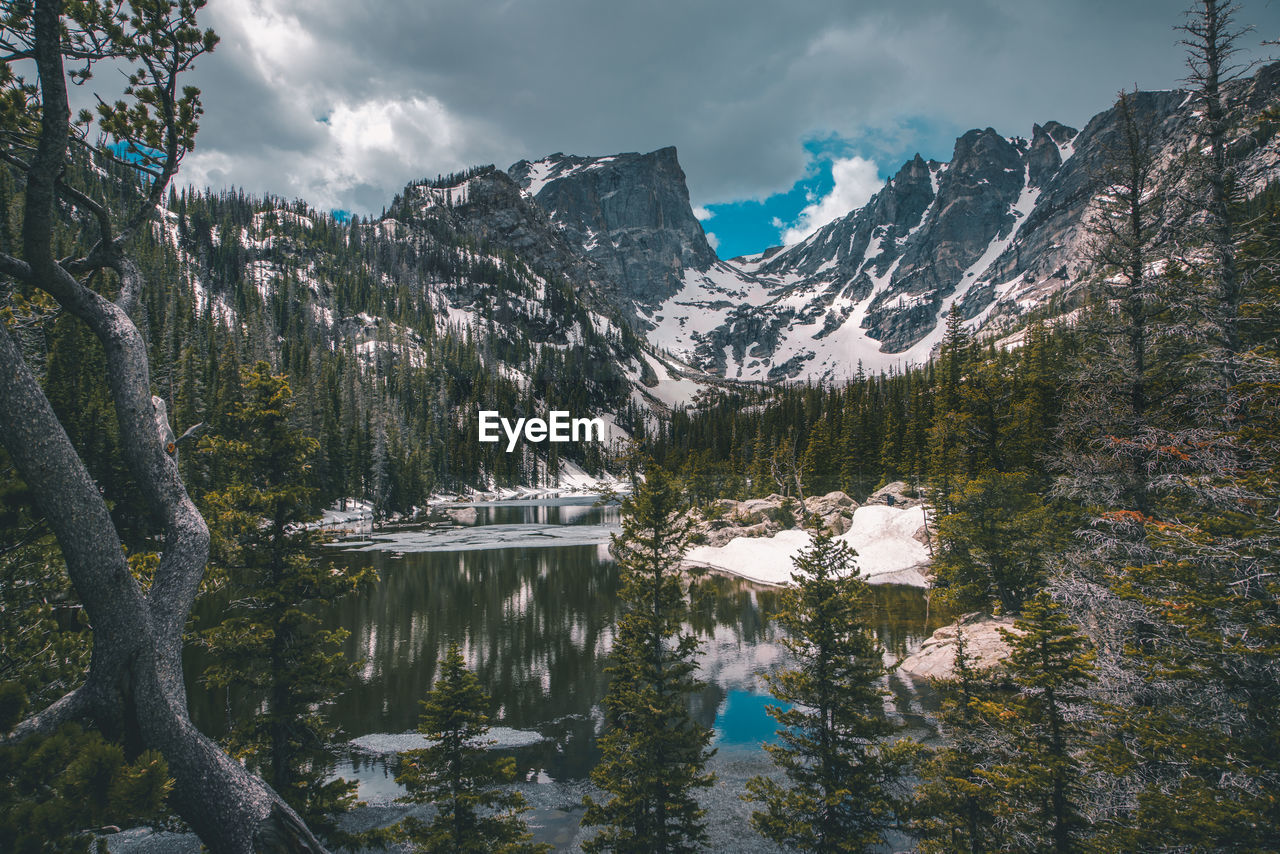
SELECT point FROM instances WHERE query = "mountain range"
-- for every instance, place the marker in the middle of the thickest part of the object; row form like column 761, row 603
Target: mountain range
column 600, row 262
column 997, row 232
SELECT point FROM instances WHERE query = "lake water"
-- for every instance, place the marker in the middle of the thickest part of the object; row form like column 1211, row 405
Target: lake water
column 529, row 592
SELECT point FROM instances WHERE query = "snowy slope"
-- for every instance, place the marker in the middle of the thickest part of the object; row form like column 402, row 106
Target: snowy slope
column 995, row 233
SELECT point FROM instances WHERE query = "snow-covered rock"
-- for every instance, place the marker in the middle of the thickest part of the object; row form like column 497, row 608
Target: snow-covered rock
column 498, row 738
column 883, row 538
column 358, row 514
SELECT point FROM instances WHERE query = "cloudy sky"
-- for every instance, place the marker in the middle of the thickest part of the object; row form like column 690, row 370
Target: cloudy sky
column 785, row 114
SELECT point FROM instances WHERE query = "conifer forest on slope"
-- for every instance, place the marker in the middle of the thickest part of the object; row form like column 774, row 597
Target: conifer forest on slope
column 1107, row 477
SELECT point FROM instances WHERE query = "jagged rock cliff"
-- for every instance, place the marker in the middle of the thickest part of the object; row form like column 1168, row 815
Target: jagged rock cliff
column 995, row 232
column 490, row 207
column 629, row 213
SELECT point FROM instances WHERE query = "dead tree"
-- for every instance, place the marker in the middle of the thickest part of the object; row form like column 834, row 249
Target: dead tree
column 1212, row 42
column 134, row 689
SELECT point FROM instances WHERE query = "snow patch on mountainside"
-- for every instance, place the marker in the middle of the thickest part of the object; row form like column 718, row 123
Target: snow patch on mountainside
column 672, row 388
column 703, row 304
column 828, row 336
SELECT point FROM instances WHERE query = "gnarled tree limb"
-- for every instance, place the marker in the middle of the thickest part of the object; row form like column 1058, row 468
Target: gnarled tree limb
column 134, row 690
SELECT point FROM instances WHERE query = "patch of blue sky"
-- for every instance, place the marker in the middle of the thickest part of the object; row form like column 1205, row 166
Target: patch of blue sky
column 748, row 226
column 133, row 153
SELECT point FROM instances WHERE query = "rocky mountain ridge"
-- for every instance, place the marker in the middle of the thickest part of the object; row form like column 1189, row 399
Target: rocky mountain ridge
column 996, row 232
column 600, row 261
column 630, row 214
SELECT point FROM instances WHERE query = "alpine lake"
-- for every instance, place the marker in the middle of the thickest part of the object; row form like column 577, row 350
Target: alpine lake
column 529, row 592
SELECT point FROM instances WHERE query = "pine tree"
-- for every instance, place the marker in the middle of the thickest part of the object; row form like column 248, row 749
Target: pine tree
column 994, row 544
column 818, row 469
column 946, row 468
column 845, row 788
column 1038, row 807
column 269, row 641
column 56, row 787
column 1039, row 382
column 653, row 750
column 458, row 775
column 953, row 808
column 761, row 479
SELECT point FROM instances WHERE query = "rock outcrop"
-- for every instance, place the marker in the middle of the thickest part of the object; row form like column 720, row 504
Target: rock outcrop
column 936, row 658
column 896, row 494
column 997, row 231
column 726, row 519
column 629, row 213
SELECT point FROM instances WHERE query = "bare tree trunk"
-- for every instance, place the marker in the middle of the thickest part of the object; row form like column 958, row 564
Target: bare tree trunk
column 134, row 691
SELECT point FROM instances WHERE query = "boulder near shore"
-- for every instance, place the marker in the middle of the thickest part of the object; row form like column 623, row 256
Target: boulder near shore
column 936, row 658
column 725, row 519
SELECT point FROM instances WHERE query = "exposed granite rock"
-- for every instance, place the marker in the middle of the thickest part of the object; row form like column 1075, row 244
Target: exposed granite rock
column 1051, row 251
column 840, row 247
column 749, row 334
column 936, row 658
column 629, row 213
column 726, row 519
column 973, row 208
column 719, row 536
column 462, row 515
column 835, row 509
column 1044, row 156
column 896, row 494
column 490, row 207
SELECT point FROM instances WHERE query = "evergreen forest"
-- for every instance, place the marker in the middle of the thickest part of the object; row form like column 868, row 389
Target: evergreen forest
column 188, row 378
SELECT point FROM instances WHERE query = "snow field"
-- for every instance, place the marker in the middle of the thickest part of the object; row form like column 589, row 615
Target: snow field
column 883, row 538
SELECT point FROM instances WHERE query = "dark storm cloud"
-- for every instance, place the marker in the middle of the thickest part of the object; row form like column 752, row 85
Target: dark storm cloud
column 342, row 102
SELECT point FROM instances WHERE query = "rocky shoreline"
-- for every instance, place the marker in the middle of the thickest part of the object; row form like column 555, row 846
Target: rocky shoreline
column 724, row 520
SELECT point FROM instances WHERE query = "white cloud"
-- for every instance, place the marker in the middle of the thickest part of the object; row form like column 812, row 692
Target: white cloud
column 856, row 180
column 294, row 112
column 926, row 70
column 702, row 213
column 384, row 142
column 713, row 241
column 278, row 44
